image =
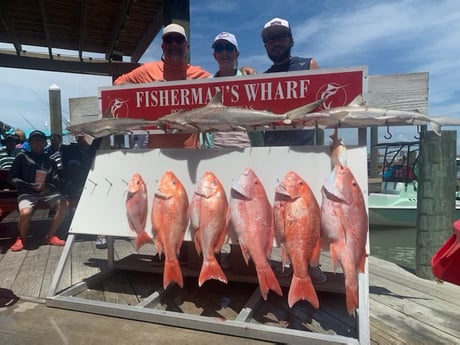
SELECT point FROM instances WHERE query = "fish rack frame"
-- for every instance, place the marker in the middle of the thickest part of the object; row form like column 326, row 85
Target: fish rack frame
column 242, row 325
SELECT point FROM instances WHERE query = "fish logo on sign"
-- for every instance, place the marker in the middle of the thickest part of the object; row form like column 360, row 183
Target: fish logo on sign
column 332, row 89
column 119, row 108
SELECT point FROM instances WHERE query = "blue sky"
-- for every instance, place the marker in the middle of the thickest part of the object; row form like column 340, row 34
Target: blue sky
column 400, row 36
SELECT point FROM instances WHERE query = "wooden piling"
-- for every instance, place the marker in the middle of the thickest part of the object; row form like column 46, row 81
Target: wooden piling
column 55, row 109
column 435, row 196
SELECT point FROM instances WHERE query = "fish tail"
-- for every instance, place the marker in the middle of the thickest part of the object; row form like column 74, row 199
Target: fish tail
column 302, row 289
column 172, row 273
column 211, row 270
column 337, row 249
column 268, row 281
column 141, row 239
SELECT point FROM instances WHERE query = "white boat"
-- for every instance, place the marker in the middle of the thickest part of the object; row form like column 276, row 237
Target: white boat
column 396, row 204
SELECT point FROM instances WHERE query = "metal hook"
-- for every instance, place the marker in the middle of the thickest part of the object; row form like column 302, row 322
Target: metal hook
column 388, row 135
column 417, row 137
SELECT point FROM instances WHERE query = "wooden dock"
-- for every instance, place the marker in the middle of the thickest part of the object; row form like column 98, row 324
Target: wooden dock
column 404, row 309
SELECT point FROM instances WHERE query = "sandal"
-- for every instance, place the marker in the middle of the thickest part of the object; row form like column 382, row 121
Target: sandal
column 55, row 241
column 18, row 245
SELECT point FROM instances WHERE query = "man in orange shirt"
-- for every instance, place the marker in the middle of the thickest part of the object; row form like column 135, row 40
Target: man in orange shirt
column 172, row 66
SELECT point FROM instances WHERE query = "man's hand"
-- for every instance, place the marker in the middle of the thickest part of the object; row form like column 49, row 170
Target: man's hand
column 246, row 70
column 38, row 186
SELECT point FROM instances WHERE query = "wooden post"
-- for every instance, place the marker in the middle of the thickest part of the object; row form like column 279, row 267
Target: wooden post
column 435, row 196
column 55, row 109
column 319, row 136
column 374, row 153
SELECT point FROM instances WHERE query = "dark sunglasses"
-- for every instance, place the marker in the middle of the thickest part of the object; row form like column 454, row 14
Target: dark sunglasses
column 171, row 39
column 219, row 48
column 273, row 38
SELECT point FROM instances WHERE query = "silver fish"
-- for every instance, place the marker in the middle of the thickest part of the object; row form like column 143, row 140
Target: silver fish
column 356, row 114
column 217, row 117
column 108, row 126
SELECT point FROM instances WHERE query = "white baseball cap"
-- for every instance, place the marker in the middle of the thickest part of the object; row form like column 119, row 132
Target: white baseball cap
column 276, row 24
column 174, row 28
column 226, row 36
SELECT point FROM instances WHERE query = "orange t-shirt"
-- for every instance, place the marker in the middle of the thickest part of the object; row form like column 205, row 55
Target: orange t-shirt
column 160, row 71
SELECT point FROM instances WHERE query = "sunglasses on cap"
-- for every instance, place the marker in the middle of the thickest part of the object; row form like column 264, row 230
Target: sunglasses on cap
column 219, row 48
column 170, row 39
column 273, row 38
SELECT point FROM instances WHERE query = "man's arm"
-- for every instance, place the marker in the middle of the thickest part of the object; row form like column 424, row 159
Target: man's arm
column 15, row 174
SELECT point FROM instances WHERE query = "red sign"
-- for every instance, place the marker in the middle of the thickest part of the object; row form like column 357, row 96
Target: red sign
column 275, row 92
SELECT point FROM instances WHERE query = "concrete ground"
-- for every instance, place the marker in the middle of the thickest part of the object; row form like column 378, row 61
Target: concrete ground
column 31, row 322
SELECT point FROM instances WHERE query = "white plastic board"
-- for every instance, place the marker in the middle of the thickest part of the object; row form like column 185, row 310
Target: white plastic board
column 101, row 209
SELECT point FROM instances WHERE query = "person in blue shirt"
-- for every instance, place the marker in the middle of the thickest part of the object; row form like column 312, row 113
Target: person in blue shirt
column 278, row 42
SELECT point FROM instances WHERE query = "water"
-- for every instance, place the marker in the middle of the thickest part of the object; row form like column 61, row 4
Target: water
column 393, row 244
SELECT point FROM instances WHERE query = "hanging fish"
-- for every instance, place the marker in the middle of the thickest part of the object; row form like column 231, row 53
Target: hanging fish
column 169, row 223
column 344, row 225
column 252, row 217
column 136, row 209
column 297, row 228
column 209, row 217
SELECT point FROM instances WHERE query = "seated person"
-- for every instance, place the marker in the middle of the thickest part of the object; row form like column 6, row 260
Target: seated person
column 36, row 179
column 8, row 153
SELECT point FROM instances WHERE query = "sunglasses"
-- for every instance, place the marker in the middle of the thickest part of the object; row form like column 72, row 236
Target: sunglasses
column 274, row 38
column 170, row 39
column 219, row 48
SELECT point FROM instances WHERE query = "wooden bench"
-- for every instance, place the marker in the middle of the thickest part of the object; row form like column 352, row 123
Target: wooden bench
column 9, row 196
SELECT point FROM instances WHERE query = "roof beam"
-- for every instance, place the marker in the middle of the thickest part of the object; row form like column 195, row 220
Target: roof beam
column 81, row 36
column 42, row 62
column 118, row 27
column 9, row 29
column 46, row 29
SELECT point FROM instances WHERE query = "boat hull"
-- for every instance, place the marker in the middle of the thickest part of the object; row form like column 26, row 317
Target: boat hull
column 396, row 205
column 393, row 216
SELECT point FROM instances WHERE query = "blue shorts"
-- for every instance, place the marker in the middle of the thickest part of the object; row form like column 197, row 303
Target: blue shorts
column 30, row 200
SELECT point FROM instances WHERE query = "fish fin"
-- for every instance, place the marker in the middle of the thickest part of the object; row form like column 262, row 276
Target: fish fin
column 211, row 270
column 284, row 256
column 172, row 273
column 302, row 111
column 244, row 251
column 223, row 234
column 215, row 100
column 220, row 241
column 197, row 243
column 141, row 239
column 336, row 250
column 302, row 289
column 159, row 248
column 357, row 101
column 267, row 281
column 314, row 261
